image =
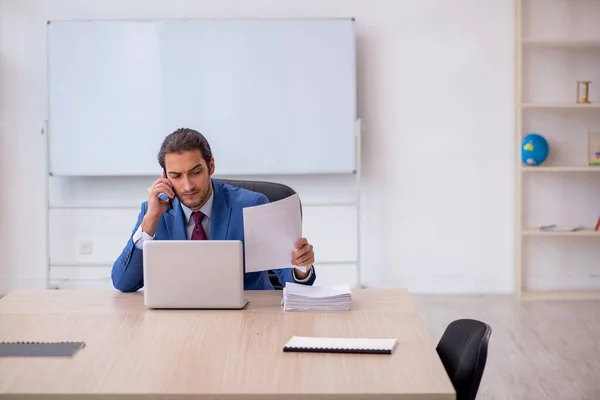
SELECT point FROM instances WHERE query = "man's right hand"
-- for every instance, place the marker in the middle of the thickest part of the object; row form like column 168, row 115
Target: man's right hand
column 156, row 206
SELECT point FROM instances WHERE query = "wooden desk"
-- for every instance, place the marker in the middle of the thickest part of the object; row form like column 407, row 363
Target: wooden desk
column 181, row 354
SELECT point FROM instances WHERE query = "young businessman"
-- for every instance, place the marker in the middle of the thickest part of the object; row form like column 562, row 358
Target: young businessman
column 199, row 208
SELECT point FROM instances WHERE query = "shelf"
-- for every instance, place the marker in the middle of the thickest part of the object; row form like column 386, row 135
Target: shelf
column 574, row 168
column 561, row 105
column 581, row 233
column 561, row 295
column 548, row 64
column 578, row 44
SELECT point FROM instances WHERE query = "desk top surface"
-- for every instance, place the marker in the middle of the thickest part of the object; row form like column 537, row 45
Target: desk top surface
column 232, row 354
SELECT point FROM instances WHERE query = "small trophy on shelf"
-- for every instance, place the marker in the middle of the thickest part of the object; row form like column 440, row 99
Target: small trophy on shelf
column 583, row 92
column 593, row 148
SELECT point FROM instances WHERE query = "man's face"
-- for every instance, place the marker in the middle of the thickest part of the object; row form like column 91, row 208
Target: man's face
column 190, row 177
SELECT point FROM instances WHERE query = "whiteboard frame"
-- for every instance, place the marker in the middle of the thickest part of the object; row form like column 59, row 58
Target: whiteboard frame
column 194, row 19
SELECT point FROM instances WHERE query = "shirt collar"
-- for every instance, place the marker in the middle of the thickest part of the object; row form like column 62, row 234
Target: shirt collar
column 206, row 208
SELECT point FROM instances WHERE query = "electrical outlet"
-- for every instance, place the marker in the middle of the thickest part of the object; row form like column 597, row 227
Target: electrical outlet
column 85, row 247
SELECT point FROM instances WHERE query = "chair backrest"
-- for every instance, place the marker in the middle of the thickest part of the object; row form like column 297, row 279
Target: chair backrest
column 463, row 351
column 274, row 192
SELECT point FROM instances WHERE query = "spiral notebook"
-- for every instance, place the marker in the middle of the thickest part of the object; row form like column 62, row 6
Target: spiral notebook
column 39, row 349
column 340, row 345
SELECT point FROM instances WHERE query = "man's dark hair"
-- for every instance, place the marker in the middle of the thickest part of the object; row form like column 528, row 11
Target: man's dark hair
column 184, row 139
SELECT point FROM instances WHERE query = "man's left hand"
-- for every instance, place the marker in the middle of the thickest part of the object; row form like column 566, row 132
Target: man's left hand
column 304, row 256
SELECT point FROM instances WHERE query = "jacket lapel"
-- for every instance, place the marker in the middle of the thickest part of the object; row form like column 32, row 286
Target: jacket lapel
column 221, row 213
column 175, row 222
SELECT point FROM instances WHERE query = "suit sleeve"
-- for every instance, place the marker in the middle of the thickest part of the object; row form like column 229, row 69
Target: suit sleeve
column 287, row 274
column 127, row 271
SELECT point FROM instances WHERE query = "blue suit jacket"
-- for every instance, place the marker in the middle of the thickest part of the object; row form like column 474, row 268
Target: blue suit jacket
column 226, row 224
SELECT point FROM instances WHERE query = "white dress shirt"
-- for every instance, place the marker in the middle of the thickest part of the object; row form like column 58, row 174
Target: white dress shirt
column 139, row 236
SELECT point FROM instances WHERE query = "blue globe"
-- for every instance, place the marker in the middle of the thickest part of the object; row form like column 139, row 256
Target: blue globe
column 534, row 149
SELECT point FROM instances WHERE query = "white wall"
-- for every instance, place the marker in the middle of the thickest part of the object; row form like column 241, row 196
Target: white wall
column 436, row 96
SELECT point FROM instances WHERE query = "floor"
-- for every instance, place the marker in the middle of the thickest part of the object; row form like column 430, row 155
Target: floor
column 538, row 349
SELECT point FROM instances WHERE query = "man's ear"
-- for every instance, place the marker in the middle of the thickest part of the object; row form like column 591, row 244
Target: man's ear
column 211, row 168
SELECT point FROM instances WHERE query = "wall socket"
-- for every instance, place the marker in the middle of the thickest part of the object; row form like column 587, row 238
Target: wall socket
column 85, row 247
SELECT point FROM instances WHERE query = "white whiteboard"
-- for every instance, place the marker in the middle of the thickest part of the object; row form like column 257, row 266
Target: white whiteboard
column 271, row 96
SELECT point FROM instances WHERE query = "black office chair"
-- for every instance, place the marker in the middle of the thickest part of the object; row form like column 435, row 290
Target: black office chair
column 274, row 192
column 463, row 351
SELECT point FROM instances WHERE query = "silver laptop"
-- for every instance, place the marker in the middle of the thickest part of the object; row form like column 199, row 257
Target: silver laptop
column 201, row 274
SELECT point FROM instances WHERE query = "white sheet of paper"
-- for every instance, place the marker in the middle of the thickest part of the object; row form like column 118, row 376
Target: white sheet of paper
column 270, row 232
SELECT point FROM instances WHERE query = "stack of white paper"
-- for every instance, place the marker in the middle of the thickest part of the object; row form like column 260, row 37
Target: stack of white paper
column 298, row 297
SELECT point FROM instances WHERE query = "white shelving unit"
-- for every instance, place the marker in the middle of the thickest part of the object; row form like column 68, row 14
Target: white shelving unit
column 557, row 44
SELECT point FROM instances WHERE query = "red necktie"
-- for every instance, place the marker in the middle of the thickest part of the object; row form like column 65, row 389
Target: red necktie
column 198, row 232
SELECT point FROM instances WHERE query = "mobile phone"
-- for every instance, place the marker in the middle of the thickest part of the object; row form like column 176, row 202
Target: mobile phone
column 168, row 198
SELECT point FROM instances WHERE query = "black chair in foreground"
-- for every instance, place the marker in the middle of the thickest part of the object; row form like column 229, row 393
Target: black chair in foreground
column 463, row 350
column 274, row 192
